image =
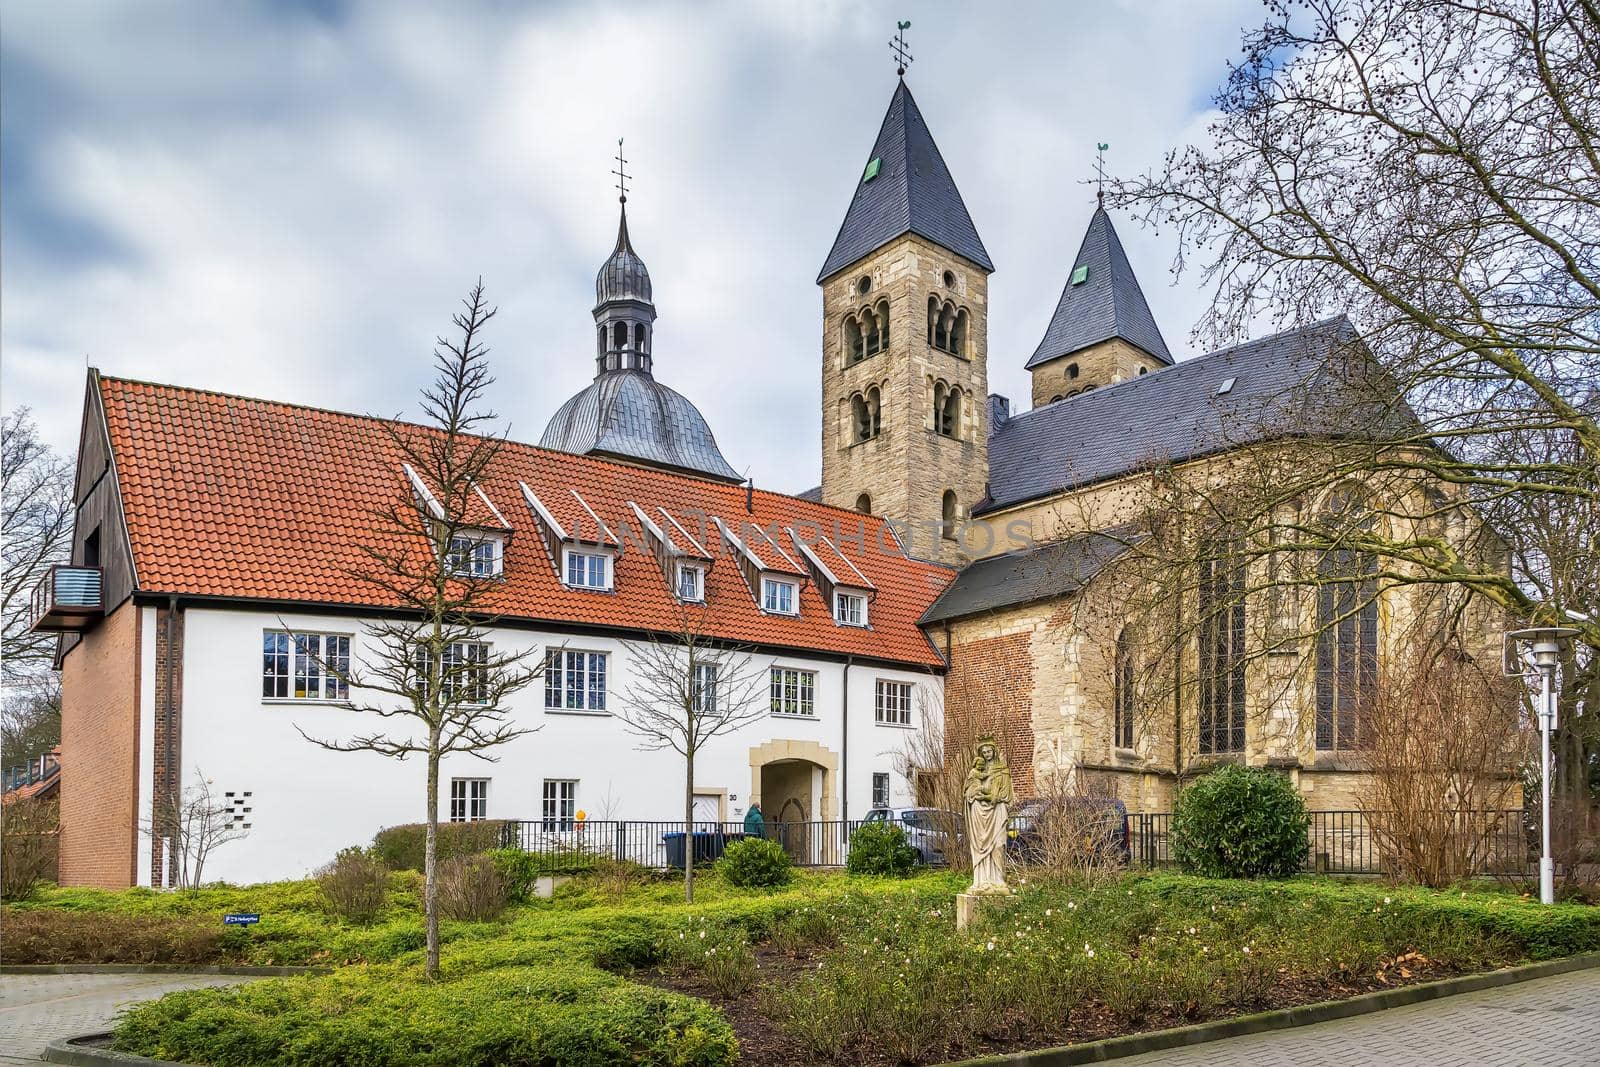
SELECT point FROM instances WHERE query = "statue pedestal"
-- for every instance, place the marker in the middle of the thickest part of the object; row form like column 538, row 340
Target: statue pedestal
column 967, row 905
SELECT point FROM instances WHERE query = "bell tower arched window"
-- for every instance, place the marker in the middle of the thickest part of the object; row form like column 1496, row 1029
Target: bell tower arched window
column 946, row 410
column 947, row 326
column 855, row 344
column 864, row 504
column 866, row 415
column 949, row 514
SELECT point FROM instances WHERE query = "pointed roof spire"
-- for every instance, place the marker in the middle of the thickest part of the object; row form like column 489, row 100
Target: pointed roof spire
column 1101, row 300
column 906, row 188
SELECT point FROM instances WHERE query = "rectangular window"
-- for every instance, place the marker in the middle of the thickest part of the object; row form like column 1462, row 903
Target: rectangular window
column 777, row 596
column 794, row 692
column 560, row 803
column 469, row 799
column 705, row 688
column 463, row 672
column 880, row 789
column 850, row 609
column 477, row 557
column 575, row 681
column 588, row 570
column 893, row 707
column 304, row 666
column 691, row 583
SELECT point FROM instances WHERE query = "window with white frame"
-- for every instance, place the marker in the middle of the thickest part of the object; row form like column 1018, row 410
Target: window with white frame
column 588, row 570
column 880, row 789
column 463, row 672
column 850, row 609
column 705, row 688
column 304, row 666
column 691, row 583
column 469, row 799
column 794, row 692
column 778, row 596
column 474, row 556
column 575, row 681
column 560, row 803
column 893, row 706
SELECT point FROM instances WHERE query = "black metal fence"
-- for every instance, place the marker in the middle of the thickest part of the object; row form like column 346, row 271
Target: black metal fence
column 1341, row 842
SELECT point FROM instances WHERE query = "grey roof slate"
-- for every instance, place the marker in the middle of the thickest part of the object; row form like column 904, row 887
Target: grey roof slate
column 628, row 413
column 1108, row 303
column 1303, row 381
column 911, row 193
column 814, row 494
column 1038, row 573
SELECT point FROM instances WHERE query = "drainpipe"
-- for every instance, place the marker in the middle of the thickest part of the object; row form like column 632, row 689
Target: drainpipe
column 844, row 747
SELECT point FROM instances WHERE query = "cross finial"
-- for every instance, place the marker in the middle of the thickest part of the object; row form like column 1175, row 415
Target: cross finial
column 622, row 174
column 1100, row 171
column 898, row 47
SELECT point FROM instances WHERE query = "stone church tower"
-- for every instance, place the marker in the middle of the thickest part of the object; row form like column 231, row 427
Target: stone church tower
column 905, row 313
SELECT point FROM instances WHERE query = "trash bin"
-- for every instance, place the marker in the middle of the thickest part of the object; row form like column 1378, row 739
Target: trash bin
column 708, row 846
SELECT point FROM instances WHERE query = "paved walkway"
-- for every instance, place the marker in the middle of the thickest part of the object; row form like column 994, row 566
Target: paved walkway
column 36, row 1009
column 1552, row 1022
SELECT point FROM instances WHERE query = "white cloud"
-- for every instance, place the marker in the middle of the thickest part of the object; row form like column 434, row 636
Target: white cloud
column 289, row 206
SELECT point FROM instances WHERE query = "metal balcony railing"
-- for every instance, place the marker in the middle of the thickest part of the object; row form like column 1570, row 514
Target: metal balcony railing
column 68, row 598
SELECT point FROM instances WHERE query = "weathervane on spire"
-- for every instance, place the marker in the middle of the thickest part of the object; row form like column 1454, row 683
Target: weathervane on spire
column 622, row 174
column 1100, row 171
column 903, row 58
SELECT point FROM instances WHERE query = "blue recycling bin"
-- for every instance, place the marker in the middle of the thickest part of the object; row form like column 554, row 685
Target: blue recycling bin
column 708, row 846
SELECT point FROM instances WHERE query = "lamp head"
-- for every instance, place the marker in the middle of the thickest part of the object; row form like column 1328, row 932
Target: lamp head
column 1544, row 643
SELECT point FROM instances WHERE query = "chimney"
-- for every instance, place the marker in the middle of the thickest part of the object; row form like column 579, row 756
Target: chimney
column 999, row 412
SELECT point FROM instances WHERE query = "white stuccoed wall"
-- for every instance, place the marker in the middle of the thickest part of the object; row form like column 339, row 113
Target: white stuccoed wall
column 307, row 803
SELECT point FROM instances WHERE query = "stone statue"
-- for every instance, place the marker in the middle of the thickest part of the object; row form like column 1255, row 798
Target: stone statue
column 988, row 795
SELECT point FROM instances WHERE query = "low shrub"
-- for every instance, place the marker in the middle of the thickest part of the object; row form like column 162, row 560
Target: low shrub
column 402, row 848
column 471, row 888
column 29, row 846
column 880, row 848
column 1240, row 822
column 36, row 935
column 355, row 884
column 756, row 863
column 519, row 870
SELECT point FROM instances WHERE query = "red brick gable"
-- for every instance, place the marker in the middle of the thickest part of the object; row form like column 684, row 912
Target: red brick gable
column 250, row 499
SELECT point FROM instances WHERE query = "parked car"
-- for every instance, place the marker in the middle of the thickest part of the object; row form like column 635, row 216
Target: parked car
column 1094, row 828
column 928, row 830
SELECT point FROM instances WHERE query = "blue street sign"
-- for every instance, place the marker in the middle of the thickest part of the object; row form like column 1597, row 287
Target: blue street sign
column 241, row 918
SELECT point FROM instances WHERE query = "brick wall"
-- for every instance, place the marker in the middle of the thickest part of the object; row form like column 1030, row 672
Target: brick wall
column 167, row 772
column 100, row 754
column 987, row 692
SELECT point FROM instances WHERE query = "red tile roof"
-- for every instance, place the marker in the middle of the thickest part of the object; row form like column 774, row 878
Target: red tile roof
column 251, row 499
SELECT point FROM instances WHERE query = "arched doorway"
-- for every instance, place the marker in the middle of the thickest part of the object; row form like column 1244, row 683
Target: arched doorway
column 794, row 781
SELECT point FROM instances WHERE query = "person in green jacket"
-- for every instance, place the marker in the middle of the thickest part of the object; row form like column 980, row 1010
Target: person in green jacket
column 754, row 824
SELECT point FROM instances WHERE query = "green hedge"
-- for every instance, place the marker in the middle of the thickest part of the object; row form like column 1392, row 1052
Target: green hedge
column 401, row 848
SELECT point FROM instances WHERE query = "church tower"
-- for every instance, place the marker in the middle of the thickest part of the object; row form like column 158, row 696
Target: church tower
column 1102, row 331
column 905, row 317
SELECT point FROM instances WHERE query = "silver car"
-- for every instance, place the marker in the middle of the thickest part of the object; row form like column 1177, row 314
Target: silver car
column 927, row 829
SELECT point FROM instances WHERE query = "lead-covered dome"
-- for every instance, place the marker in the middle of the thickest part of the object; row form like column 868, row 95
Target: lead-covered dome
column 623, row 276
column 630, row 415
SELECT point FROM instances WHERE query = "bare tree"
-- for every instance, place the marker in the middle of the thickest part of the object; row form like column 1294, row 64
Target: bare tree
column 1432, row 170
column 36, row 516
column 192, row 825
column 428, row 674
column 934, row 760
column 30, row 716
column 686, row 689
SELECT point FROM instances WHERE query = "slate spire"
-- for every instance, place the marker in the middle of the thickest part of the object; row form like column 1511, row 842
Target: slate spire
column 1101, row 300
column 905, row 188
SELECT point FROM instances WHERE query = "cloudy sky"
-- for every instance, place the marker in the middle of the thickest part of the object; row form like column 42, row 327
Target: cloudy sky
column 287, row 199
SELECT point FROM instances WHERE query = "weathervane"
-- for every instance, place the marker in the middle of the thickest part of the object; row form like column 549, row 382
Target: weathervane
column 1100, row 171
column 898, row 47
column 622, row 174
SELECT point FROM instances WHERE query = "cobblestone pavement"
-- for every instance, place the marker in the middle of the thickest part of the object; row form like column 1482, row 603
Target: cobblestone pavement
column 36, row 1009
column 1552, row 1022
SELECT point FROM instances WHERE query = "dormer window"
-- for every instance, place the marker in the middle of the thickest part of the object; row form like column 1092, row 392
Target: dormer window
column 778, row 596
column 691, row 583
column 475, row 556
column 850, row 609
column 588, row 570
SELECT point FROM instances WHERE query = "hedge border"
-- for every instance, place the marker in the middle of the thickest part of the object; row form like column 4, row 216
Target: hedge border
column 1114, row 1048
column 242, row 971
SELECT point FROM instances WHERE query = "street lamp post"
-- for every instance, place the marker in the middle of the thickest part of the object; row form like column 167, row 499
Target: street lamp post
column 1544, row 648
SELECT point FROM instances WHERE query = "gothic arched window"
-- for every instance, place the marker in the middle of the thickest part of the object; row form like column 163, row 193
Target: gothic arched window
column 1122, row 694
column 949, row 514
column 864, row 504
column 1222, row 646
column 1347, row 628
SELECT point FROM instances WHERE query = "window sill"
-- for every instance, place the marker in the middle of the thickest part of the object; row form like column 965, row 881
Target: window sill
column 794, row 715
column 313, row 702
column 875, row 437
column 894, row 725
column 591, row 712
column 589, row 588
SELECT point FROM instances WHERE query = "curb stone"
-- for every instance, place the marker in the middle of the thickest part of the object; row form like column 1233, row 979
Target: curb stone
column 160, row 968
column 1113, row 1048
column 93, row 1050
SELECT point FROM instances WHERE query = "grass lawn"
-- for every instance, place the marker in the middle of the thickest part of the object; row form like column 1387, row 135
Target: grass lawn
column 830, row 969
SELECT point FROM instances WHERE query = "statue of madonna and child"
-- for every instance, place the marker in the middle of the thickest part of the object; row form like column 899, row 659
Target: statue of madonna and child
column 989, row 797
